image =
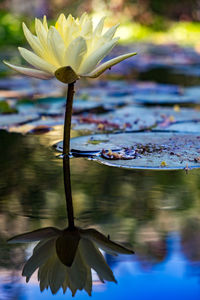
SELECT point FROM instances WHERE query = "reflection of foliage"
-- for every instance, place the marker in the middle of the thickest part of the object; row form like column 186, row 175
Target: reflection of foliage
column 143, row 206
column 28, row 178
column 191, row 239
column 121, row 202
column 11, row 257
column 141, row 192
column 151, row 245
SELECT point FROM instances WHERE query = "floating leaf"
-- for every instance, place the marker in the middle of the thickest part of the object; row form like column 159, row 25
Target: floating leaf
column 16, row 119
column 164, row 99
column 137, row 118
column 164, row 151
column 5, row 108
column 193, row 126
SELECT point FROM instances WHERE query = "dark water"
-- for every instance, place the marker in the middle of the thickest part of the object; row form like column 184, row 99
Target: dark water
column 155, row 213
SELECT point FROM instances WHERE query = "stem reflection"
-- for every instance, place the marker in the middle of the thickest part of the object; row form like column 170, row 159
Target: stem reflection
column 68, row 192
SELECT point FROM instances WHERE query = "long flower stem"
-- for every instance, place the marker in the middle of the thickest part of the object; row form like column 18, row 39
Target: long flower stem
column 68, row 117
column 66, row 150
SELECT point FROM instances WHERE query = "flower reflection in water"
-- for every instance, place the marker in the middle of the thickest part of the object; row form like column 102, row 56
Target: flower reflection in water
column 64, row 258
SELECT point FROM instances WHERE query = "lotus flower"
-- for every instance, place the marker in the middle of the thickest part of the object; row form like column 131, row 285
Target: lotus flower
column 69, row 50
column 64, row 258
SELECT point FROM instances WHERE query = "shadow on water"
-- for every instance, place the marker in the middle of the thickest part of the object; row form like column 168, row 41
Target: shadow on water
column 157, row 213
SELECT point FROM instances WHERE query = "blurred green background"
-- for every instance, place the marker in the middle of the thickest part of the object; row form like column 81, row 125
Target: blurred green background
column 155, row 21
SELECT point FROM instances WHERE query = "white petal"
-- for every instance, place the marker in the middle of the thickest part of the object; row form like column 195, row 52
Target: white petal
column 56, row 275
column 104, row 243
column 35, row 235
column 61, row 21
column 65, row 284
column 43, row 277
column 36, row 61
column 99, row 27
column 43, row 274
column 38, row 258
column 87, row 28
column 45, row 23
column 108, row 64
column 95, row 260
column 61, row 24
column 88, row 284
column 94, row 58
column 29, row 72
column 56, row 45
column 83, row 17
column 33, row 41
column 41, row 33
column 108, row 35
column 68, row 283
column 78, row 272
column 75, row 52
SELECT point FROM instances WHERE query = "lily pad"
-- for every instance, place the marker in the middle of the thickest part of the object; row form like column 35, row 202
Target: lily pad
column 119, row 89
column 7, row 121
column 193, row 92
column 159, row 151
column 17, row 86
column 193, row 126
column 49, row 106
column 155, row 98
column 137, row 118
column 5, row 108
column 55, row 106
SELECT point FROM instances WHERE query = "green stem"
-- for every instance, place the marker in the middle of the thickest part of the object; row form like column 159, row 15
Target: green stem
column 66, row 150
column 68, row 117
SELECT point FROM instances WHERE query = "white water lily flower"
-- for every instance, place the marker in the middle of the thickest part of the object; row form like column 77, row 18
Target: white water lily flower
column 64, row 258
column 69, row 50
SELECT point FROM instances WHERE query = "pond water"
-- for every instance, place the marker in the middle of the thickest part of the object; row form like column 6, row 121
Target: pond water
column 155, row 213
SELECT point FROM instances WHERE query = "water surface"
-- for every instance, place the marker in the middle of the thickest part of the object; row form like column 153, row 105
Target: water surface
column 155, row 213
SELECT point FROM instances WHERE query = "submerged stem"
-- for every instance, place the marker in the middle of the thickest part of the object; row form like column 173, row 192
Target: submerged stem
column 68, row 192
column 68, row 117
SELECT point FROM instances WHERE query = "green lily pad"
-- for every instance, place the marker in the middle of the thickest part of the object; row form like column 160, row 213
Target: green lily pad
column 159, row 151
column 5, row 108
